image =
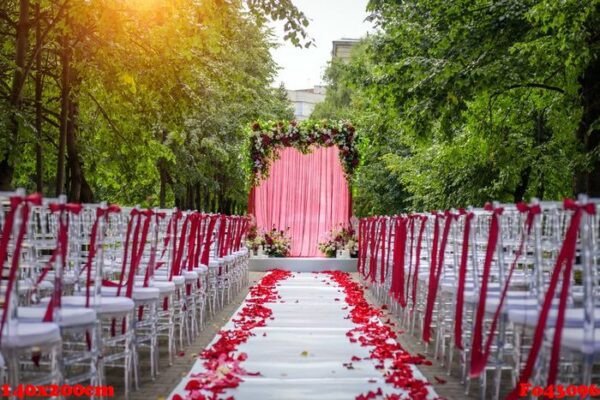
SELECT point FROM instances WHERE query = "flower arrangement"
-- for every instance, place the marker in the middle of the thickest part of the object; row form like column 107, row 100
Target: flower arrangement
column 253, row 239
column 268, row 137
column 278, row 243
column 339, row 238
column 253, row 242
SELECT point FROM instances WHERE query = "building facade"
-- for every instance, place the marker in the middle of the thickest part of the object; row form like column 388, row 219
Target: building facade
column 304, row 100
column 342, row 48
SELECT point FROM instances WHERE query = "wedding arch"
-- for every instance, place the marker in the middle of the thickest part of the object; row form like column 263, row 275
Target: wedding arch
column 300, row 174
column 268, row 137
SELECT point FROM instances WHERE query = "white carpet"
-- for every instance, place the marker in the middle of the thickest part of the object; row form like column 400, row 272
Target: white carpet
column 305, row 347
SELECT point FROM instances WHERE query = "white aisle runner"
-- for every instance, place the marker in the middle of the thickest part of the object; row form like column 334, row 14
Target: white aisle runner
column 304, row 352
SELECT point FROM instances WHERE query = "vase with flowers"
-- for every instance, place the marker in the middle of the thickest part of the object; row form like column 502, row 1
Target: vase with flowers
column 340, row 238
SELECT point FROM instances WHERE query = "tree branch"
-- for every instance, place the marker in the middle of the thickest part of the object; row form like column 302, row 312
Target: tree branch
column 106, row 117
column 37, row 49
column 536, row 85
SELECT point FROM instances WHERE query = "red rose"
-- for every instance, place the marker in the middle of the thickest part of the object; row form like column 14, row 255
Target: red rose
column 268, row 240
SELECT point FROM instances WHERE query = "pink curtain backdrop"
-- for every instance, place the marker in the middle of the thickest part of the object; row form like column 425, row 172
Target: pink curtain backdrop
column 307, row 193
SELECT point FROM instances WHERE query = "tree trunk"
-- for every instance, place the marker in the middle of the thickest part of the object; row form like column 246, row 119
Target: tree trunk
column 87, row 196
column 212, row 201
column 191, row 197
column 65, row 58
column 199, row 197
column 223, row 204
column 589, row 181
column 523, row 184
column 39, row 116
column 73, row 159
column 6, row 164
column 162, row 171
column 206, row 200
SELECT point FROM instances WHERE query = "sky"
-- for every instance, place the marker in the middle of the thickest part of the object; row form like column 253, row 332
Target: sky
column 329, row 20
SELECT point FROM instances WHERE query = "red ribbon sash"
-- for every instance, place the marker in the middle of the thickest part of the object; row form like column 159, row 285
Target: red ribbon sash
column 397, row 287
column 462, row 276
column 415, row 281
column 477, row 353
column 22, row 205
column 564, row 265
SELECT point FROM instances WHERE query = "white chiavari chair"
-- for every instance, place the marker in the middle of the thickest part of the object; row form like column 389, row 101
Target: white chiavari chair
column 493, row 281
column 113, row 281
column 79, row 361
column 31, row 351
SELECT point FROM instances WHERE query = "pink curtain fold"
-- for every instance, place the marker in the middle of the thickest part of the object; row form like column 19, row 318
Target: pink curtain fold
column 307, row 193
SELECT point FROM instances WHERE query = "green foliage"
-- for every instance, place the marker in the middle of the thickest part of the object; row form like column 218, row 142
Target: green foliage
column 461, row 102
column 158, row 89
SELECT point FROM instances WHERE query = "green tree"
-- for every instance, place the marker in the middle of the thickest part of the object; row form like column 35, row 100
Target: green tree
column 141, row 101
column 463, row 101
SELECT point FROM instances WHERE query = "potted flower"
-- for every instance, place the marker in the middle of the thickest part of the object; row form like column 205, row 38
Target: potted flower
column 328, row 248
column 278, row 243
column 341, row 238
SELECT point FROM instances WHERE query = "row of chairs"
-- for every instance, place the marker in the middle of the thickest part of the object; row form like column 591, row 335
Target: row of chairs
column 86, row 287
column 510, row 291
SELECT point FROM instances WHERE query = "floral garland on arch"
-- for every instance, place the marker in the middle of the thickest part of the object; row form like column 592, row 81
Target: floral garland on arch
column 268, row 137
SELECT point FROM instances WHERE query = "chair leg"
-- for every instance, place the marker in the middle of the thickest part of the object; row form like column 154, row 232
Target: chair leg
column 171, row 333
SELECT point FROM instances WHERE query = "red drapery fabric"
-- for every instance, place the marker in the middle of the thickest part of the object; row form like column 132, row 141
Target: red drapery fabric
column 307, row 193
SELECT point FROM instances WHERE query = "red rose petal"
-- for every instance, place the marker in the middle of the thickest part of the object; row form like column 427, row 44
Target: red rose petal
column 220, row 356
column 380, row 338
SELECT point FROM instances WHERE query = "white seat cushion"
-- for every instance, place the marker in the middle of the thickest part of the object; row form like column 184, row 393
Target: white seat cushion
column 46, row 285
column 190, row 276
column 68, row 316
column 573, row 317
column 493, row 297
column 68, row 278
column 106, row 305
column 139, row 293
column 31, row 334
column 178, row 280
column 202, row 269
column 165, row 287
column 572, row 339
